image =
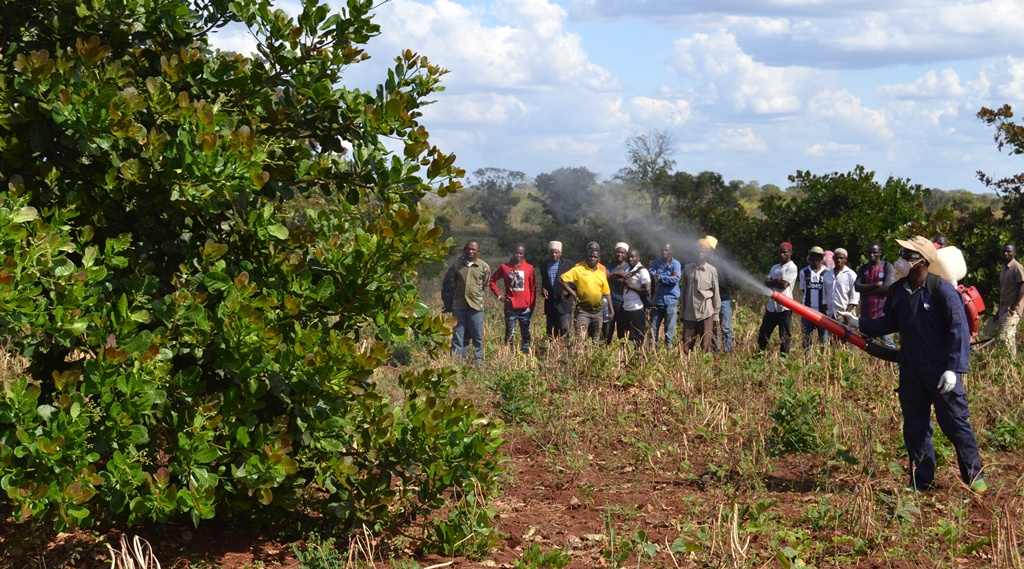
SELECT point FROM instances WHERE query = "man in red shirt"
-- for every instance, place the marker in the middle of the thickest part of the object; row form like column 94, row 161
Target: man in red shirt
column 519, row 297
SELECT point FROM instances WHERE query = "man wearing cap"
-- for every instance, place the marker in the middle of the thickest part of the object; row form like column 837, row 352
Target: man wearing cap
column 617, row 275
column 462, row 292
column 934, row 352
column 1011, row 300
column 723, row 326
column 698, row 291
column 780, row 278
column 590, row 286
column 557, row 304
column 519, row 297
column 816, row 282
column 665, row 274
column 844, row 296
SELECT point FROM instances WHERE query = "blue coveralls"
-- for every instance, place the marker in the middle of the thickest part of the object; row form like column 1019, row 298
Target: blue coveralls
column 933, row 338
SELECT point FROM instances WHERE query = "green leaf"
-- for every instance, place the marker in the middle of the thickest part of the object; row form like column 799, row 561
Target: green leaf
column 216, row 281
column 278, row 230
column 27, row 213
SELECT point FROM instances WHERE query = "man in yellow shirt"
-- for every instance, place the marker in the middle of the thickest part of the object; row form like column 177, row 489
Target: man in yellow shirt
column 591, row 286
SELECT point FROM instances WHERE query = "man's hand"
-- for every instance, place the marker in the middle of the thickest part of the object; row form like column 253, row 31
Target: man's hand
column 849, row 319
column 947, row 382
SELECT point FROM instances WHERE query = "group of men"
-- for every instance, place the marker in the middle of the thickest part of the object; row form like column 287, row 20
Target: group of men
column 904, row 297
column 593, row 300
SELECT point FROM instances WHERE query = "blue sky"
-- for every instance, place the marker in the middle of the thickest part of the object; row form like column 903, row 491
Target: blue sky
column 753, row 89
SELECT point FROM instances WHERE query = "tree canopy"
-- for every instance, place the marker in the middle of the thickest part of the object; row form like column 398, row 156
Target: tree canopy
column 205, row 257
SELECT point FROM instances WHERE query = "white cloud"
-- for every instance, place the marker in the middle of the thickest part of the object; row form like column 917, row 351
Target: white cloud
column 944, row 84
column 832, row 149
column 848, row 118
column 659, row 112
column 717, row 70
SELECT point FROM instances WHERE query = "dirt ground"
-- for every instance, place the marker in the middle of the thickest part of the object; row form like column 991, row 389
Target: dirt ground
column 553, row 508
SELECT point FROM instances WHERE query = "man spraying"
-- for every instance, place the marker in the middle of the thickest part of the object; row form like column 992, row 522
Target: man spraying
column 934, row 351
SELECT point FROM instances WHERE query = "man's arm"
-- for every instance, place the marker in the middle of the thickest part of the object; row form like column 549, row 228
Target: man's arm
column 500, row 273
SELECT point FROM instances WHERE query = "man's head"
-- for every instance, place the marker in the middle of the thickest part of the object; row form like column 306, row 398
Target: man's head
column 621, row 250
column 471, row 251
column 785, row 252
column 555, row 250
column 840, row 256
column 815, row 256
column 704, row 249
column 593, row 245
column 593, row 258
column 874, row 252
column 1009, row 252
column 940, row 240
column 633, row 256
column 918, row 247
column 666, row 252
column 518, row 253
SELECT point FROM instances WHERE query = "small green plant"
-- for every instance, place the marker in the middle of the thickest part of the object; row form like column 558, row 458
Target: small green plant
column 797, row 416
column 536, row 558
column 1007, row 435
column 318, row 553
column 468, row 529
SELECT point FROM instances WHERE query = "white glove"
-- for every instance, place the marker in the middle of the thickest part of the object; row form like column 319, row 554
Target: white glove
column 947, row 382
column 849, row 318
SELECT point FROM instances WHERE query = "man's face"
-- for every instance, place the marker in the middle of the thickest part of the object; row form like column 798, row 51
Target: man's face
column 593, row 257
column 1009, row 252
column 633, row 258
column 471, row 251
column 784, row 255
column 554, row 254
column 875, row 254
column 815, row 260
column 840, row 260
column 666, row 252
column 702, row 255
column 620, row 255
column 517, row 255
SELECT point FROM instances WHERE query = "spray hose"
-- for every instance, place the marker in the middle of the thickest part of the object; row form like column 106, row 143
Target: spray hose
column 845, row 334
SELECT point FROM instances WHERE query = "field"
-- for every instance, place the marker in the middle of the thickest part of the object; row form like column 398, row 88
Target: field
column 665, row 459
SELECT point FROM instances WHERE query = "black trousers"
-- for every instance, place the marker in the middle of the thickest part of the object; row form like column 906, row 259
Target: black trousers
column 772, row 320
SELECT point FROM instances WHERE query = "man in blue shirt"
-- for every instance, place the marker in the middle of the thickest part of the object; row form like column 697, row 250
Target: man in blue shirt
column 665, row 273
column 934, row 351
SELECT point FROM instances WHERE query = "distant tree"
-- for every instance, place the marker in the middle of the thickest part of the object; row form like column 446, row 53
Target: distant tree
column 565, row 194
column 1008, row 135
column 844, row 210
column 495, row 199
column 650, row 165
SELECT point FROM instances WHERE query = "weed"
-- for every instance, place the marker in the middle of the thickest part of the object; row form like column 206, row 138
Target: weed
column 536, row 558
column 318, row 553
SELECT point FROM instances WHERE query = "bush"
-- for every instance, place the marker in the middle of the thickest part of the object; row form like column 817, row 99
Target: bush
column 205, row 258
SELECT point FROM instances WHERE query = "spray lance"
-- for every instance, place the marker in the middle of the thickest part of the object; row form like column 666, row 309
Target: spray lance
column 820, row 320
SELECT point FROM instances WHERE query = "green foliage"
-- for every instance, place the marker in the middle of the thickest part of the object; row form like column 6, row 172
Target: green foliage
column 318, row 553
column 536, row 558
column 1009, row 135
column 796, row 418
column 1007, row 435
column 494, row 197
column 848, row 210
column 205, row 258
column 467, row 531
column 567, row 195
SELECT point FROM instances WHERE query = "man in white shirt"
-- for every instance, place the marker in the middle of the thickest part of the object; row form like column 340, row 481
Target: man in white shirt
column 781, row 279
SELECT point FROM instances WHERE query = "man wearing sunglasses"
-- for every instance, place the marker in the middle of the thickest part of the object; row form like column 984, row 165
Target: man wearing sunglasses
column 934, row 350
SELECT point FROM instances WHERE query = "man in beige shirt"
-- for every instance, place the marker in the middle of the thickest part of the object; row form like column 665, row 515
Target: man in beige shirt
column 700, row 297
column 1011, row 300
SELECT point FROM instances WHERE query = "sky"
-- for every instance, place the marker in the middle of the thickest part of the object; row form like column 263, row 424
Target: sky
column 752, row 89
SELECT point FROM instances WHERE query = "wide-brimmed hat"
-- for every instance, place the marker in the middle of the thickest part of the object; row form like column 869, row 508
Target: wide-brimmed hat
column 816, row 251
column 921, row 245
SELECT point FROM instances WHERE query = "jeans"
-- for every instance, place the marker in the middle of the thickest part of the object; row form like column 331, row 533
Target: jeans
column 810, row 329
column 470, row 327
column 725, row 325
column 664, row 313
column 522, row 316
